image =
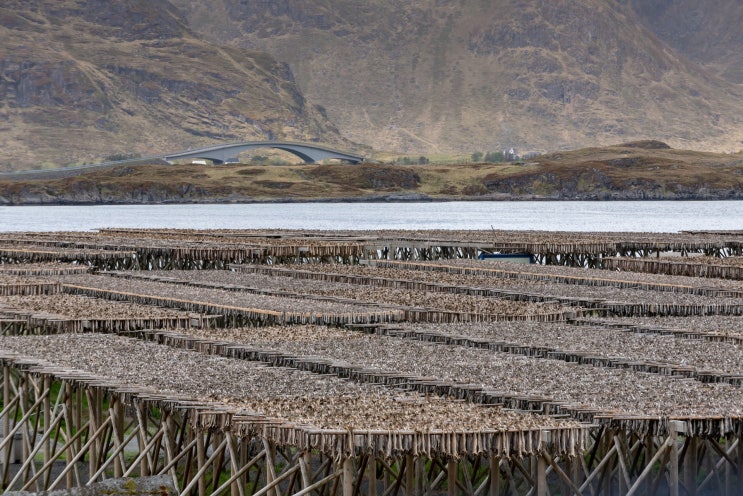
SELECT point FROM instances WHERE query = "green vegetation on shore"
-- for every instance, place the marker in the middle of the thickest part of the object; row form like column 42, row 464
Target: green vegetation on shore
column 641, row 170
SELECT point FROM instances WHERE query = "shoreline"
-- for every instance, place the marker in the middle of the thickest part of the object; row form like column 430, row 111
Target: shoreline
column 376, row 199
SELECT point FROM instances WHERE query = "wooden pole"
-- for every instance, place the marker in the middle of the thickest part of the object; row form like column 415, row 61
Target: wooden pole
column 47, row 447
column 494, row 476
column 451, row 471
column 673, row 462
column 70, row 416
column 117, row 410
column 6, row 425
column 409, row 475
column 200, row 461
column 348, row 476
column 691, row 466
column 371, row 475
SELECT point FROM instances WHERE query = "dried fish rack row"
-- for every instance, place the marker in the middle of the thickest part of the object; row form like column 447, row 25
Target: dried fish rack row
column 410, row 313
column 728, row 335
column 43, row 269
column 164, row 423
column 81, row 307
column 589, row 357
column 472, row 393
column 63, row 313
column 434, row 235
column 195, row 251
column 234, row 316
column 598, row 305
column 719, row 328
column 40, row 324
column 94, row 258
column 29, row 288
column 675, row 268
column 201, row 445
column 690, row 353
column 560, row 275
column 571, row 276
column 111, row 257
column 418, row 365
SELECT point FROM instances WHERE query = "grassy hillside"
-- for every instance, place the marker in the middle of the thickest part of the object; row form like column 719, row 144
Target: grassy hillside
column 707, row 32
column 634, row 171
column 84, row 80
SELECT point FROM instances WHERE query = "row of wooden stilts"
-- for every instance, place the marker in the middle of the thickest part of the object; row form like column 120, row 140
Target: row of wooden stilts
column 69, row 432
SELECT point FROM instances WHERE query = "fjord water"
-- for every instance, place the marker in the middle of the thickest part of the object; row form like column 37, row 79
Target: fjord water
column 642, row 216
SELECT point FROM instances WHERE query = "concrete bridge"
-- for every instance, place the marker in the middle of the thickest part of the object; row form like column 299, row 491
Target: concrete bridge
column 229, row 152
column 219, row 154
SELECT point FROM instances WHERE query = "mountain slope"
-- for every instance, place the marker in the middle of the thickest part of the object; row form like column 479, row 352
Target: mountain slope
column 707, row 32
column 427, row 75
column 84, row 79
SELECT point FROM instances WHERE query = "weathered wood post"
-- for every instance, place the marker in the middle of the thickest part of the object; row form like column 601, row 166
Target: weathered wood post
column 674, row 427
column 409, row 475
column 347, row 475
column 47, row 447
column 117, row 412
column 691, row 466
column 451, row 472
column 200, row 461
column 70, row 418
column 371, row 475
column 6, row 425
column 494, row 476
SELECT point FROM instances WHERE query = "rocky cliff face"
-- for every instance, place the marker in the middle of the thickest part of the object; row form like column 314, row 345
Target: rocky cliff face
column 84, row 79
column 427, row 75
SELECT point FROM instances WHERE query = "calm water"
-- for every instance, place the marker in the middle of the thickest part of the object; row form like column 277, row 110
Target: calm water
column 549, row 216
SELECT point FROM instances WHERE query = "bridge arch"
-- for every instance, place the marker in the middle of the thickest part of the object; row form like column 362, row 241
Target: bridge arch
column 229, row 152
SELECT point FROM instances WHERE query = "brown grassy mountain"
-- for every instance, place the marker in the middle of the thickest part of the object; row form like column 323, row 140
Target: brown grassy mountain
column 83, row 79
column 707, row 32
column 427, row 75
